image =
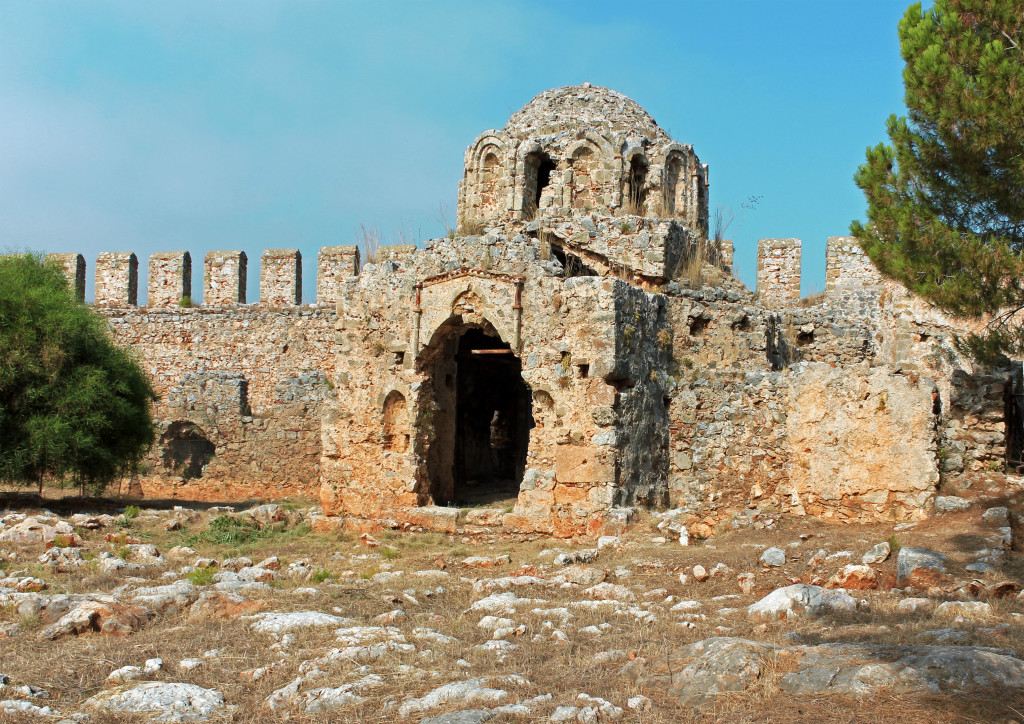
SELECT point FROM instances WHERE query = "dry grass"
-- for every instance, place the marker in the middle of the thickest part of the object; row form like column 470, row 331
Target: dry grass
column 76, row 668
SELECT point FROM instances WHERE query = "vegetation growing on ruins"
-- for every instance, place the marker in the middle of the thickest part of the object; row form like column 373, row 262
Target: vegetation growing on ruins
column 945, row 202
column 73, row 405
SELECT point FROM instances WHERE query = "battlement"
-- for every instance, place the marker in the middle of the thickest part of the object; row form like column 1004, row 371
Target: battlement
column 778, row 271
column 847, row 267
column 225, row 274
column 74, row 269
column 117, row 279
column 170, row 278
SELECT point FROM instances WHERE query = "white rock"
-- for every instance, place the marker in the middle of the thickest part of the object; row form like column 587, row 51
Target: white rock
column 493, row 622
column 282, row 622
column 14, row 707
column 124, row 675
column 467, row 693
column 913, row 605
column 773, row 557
column 800, row 599
column 878, row 554
column 966, row 609
column 164, row 702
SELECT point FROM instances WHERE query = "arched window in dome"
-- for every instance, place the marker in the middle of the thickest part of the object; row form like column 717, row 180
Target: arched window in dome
column 489, row 183
column 584, row 164
column 636, row 187
column 675, row 186
column 538, row 170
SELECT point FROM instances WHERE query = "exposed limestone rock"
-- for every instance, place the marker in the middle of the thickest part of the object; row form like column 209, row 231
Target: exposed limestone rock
column 107, row 616
column 798, row 600
column 920, row 567
column 162, row 702
column 720, row 665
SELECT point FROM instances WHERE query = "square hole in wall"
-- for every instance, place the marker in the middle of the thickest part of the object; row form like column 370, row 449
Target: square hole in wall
column 583, row 371
column 399, row 359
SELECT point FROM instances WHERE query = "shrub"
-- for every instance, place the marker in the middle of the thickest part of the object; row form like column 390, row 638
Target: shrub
column 72, row 403
column 228, row 530
column 201, row 576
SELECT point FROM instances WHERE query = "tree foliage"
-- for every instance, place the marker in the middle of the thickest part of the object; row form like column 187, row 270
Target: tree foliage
column 946, row 198
column 73, row 405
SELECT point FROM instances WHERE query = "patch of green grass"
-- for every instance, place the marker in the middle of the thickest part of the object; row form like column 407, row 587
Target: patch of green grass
column 130, row 514
column 124, row 552
column 201, row 576
column 894, row 544
column 322, row 574
column 30, row 622
column 228, row 530
column 388, row 553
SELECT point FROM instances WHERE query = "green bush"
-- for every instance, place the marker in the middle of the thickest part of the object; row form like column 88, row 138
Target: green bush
column 201, row 576
column 228, row 530
column 73, row 405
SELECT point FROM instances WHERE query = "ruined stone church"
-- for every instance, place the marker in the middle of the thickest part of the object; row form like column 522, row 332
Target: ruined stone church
column 579, row 348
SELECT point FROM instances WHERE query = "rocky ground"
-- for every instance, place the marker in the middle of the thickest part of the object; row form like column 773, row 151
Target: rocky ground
column 120, row 614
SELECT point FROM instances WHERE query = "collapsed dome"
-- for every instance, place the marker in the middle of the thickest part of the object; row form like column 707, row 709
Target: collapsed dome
column 581, row 149
column 583, row 107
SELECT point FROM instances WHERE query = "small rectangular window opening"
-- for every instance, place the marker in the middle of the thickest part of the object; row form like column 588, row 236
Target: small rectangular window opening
column 584, row 371
column 399, row 359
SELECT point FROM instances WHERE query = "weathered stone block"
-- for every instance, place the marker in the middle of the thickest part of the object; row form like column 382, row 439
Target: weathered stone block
column 583, row 464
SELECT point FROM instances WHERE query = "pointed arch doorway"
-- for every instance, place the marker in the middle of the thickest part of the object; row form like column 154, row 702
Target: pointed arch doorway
column 476, row 417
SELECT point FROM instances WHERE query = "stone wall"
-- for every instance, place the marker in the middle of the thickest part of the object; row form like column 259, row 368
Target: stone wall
column 251, row 379
column 862, row 444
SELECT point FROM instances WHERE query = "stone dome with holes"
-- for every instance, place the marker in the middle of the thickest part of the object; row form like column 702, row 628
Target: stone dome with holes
column 585, row 108
column 581, row 150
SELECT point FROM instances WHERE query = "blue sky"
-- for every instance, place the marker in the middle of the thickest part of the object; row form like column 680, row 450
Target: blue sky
column 198, row 125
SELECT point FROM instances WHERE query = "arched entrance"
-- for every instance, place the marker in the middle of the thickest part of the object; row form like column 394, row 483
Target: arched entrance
column 476, row 415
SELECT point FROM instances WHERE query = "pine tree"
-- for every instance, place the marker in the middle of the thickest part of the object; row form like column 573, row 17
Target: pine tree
column 946, row 198
column 73, row 405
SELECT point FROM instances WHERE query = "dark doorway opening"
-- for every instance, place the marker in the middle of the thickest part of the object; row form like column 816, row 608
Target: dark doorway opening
column 187, row 451
column 636, row 187
column 539, row 168
column 481, row 432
